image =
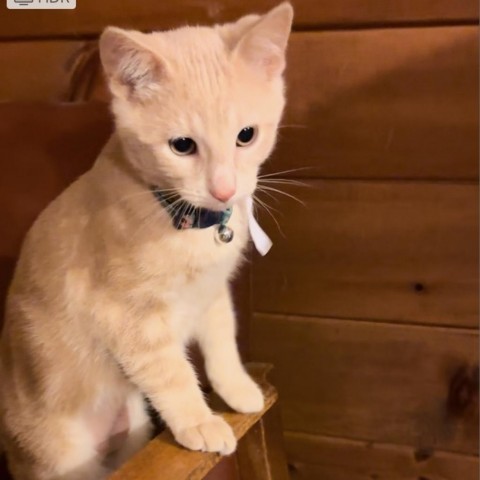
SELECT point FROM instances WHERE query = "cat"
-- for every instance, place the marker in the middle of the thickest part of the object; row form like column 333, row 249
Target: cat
column 116, row 277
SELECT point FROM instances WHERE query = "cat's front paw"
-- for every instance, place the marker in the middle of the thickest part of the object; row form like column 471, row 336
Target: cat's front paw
column 244, row 395
column 212, row 435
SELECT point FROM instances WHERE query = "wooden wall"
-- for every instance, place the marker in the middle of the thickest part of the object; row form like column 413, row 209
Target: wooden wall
column 367, row 304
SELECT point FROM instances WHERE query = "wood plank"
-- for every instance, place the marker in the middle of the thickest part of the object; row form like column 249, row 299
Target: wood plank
column 43, row 70
column 43, row 148
column 375, row 382
column 90, row 16
column 261, row 454
column 164, row 457
column 397, row 251
column 397, row 103
column 314, row 457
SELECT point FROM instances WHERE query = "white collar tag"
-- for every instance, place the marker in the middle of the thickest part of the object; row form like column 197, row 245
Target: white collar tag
column 260, row 239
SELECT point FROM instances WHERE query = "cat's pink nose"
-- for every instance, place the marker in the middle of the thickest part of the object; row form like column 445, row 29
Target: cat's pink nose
column 223, row 193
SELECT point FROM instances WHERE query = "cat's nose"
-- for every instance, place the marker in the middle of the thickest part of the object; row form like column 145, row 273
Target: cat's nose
column 223, row 193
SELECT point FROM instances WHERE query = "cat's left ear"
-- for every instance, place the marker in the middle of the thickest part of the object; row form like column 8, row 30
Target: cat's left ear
column 130, row 66
column 263, row 46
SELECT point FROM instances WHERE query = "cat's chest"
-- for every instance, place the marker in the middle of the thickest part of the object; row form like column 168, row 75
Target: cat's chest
column 194, row 255
column 192, row 283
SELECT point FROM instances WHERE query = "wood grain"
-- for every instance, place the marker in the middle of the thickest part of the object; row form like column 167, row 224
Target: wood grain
column 43, row 148
column 396, row 103
column 44, row 70
column 314, row 457
column 261, row 454
column 166, row 458
column 375, row 382
column 397, row 251
column 91, row 16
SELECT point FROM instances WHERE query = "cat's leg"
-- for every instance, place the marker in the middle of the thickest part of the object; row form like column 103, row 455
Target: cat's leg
column 140, row 429
column 216, row 337
column 156, row 362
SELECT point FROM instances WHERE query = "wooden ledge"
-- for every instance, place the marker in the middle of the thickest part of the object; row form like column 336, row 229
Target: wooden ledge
column 163, row 456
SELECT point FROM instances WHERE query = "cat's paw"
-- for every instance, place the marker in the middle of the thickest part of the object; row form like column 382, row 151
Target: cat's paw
column 213, row 435
column 244, row 395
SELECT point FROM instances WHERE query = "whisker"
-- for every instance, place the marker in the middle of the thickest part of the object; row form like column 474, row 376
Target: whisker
column 273, row 197
column 284, row 181
column 266, row 205
column 153, row 212
column 293, row 197
column 267, row 209
column 285, row 171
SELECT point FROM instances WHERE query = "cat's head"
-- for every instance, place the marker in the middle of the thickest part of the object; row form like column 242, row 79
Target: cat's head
column 197, row 109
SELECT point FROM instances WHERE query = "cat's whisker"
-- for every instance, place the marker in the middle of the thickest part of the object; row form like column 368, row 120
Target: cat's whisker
column 283, row 181
column 273, row 197
column 262, row 204
column 293, row 197
column 155, row 213
column 285, row 171
column 179, row 212
column 270, row 207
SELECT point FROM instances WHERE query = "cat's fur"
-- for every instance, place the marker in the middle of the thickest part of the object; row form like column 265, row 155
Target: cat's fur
column 107, row 293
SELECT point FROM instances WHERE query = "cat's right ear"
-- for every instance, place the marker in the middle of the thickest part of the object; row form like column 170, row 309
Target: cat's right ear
column 131, row 68
column 263, row 44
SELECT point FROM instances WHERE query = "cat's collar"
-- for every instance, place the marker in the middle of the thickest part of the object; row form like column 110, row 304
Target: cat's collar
column 185, row 215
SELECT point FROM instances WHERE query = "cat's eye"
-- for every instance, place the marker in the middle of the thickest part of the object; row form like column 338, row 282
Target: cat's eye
column 183, row 146
column 246, row 136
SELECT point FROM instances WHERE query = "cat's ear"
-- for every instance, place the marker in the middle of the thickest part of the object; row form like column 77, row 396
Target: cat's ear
column 263, row 45
column 233, row 32
column 130, row 66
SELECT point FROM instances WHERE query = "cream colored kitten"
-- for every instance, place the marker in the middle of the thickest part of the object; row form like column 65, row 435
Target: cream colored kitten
column 107, row 292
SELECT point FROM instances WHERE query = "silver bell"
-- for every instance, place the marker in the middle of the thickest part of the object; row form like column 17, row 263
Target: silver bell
column 224, row 234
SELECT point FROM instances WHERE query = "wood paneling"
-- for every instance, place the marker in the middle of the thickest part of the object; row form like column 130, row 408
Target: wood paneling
column 314, row 457
column 396, row 103
column 43, row 148
column 262, row 456
column 91, row 16
column 43, row 70
column 376, row 382
column 397, row 251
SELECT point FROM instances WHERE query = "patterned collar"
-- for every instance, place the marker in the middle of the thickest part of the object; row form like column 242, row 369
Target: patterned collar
column 185, row 215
